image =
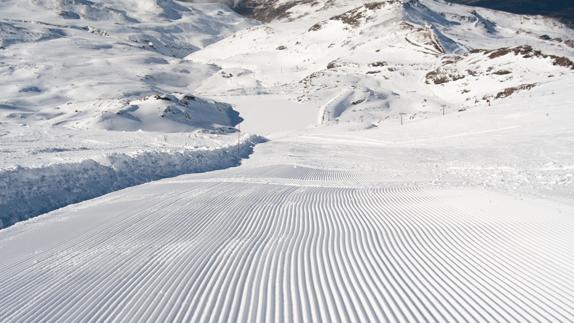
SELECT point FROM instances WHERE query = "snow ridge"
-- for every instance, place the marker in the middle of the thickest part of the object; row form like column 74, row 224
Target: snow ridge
column 28, row 192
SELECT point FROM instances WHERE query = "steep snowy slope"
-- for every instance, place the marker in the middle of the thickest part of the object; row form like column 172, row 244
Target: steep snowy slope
column 367, row 61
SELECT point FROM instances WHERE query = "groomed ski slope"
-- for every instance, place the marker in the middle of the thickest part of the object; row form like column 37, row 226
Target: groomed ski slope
column 463, row 213
column 275, row 245
column 466, row 217
column 317, row 226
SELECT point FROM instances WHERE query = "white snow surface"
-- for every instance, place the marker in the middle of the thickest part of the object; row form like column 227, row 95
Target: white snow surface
column 43, row 169
column 420, row 167
column 367, row 61
column 95, row 97
column 463, row 217
column 53, row 53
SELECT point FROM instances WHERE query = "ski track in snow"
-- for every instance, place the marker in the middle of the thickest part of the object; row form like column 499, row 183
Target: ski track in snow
column 273, row 240
column 202, row 248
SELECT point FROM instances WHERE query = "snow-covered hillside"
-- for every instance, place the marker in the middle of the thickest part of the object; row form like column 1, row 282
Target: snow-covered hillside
column 55, row 52
column 76, row 75
column 368, row 61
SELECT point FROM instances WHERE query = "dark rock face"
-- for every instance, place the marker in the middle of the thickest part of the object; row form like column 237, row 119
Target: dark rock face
column 267, row 10
column 561, row 9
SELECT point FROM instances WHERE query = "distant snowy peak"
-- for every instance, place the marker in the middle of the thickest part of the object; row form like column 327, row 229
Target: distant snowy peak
column 420, row 12
column 434, row 20
column 422, row 22
column 269, row 10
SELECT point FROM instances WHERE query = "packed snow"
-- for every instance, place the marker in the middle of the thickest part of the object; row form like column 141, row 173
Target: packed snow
column 417, row 165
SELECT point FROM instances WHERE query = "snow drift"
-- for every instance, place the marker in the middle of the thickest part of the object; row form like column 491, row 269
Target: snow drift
column 27, row 192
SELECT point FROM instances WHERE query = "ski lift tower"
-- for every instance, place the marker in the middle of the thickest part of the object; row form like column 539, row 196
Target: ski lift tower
column 239, row 140
column 402, row 115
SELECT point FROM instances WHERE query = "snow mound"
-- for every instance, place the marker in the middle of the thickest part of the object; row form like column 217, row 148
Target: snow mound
column 362, row 104
column 158, row 113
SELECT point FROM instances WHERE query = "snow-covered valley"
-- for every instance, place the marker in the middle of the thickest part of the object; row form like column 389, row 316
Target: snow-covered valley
column 397, row 161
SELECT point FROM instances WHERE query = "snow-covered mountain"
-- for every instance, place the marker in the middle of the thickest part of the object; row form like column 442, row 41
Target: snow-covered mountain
column 367, row 61
column 360, row 60
column 57, row 53
column 418, row 165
